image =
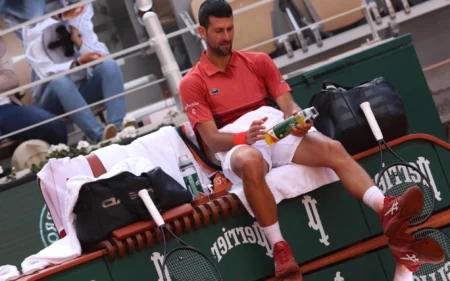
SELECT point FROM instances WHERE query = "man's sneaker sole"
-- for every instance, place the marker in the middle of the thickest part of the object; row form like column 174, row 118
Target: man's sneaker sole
column 413, row 252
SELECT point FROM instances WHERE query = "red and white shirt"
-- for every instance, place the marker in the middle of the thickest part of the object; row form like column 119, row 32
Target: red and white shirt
column 251, row 80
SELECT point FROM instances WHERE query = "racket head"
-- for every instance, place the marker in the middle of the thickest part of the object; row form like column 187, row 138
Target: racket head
column 187, row 263
column 398, row 177
column 427, row 269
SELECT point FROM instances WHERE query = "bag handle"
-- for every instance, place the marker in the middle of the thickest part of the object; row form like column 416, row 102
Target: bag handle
column 329, row 82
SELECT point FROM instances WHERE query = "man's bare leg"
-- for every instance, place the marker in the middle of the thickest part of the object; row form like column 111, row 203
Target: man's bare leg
column 320, row 151
column 395, row 213
column 249, row 164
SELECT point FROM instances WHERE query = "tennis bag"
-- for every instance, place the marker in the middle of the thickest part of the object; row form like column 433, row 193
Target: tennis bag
column 108, row 204
column 341, row 118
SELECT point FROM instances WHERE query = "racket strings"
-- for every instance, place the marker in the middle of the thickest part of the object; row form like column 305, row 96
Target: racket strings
column 427, row 269
column 189, row 265
column 398, row 178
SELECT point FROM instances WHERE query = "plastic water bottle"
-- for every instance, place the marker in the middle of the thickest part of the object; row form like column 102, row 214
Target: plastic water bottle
column 283, row 129
column 190, row 176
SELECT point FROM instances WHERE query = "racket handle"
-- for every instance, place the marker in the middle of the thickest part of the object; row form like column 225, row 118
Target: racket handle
column 151, row 207
column 365, row 106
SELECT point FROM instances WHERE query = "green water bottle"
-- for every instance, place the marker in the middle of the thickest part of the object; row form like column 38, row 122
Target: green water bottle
column 190, row 176
column 283, row 129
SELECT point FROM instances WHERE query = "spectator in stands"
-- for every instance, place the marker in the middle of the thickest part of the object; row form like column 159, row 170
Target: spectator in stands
column 14, row 117
column 19, row 11
column 52, row 47
column 23, row 10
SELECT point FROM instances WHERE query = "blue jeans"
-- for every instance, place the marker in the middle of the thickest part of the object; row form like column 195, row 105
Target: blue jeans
column 62, row 95
column 14, row 117
column 23, row 9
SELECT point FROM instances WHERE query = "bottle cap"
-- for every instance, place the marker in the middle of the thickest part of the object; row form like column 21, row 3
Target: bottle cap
column 184, row 161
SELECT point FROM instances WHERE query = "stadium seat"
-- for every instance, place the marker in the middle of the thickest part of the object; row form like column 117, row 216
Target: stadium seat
column 323, row 9
column 302, row 8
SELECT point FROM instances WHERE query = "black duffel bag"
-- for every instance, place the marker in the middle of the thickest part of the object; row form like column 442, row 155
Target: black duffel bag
column 341, row 118
column 112, row 203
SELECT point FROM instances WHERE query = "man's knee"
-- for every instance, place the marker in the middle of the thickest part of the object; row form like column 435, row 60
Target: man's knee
column 336, row 152
column 249, row 162
column 110, row 68
column 61, row 86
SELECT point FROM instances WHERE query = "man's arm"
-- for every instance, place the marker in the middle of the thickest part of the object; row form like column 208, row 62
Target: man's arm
column 215, row 140
column 277, row 87
column 222, row 142
column 288, row 105
column 193, row 95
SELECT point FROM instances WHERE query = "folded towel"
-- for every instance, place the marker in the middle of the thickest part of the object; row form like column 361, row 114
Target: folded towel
column 69, row 247
column 164, row 148
column 9, row 273
column 53, row 178
column 110, row 155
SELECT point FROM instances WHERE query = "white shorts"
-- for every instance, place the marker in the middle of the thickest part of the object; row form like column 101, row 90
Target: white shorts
column 277, row 155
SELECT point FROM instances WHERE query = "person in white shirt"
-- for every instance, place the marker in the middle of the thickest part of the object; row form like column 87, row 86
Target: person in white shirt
column 52, row 46
column 14, row 117
column 15, row 12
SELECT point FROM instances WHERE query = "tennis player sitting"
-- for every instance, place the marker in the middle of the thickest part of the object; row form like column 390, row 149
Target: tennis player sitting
column 226, row 85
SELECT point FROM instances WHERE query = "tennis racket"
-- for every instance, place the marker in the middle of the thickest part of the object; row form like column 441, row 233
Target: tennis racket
column 397, row 177
column 184, row 263
column 428, row 271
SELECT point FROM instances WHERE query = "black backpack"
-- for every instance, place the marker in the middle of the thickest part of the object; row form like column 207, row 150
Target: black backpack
column 108, row 204
column 341, row 118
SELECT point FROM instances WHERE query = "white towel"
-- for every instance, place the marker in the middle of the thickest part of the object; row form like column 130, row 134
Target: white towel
column 53, row 177
column 69, row 247
column 111, row 155
column 290, row 181
column 285, row 182
column 9, row 273
column 164, row 147
column 136, row 149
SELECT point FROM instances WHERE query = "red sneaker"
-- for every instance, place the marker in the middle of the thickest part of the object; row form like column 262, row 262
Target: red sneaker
column 397, row 212
column 284, row 260
column 412, row 252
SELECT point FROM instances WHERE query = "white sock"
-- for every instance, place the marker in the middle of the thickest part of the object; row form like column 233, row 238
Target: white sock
column 273, row 233
column 374, row 198
column 402, row 273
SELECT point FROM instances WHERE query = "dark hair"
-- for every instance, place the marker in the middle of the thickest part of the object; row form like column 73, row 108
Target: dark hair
column 215, row 8
column 65, row 42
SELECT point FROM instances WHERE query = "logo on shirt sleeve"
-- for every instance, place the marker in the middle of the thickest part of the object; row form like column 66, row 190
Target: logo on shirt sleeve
column 191, row 105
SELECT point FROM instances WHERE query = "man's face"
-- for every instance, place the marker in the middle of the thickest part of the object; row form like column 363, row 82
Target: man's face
column 219, row 35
